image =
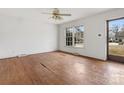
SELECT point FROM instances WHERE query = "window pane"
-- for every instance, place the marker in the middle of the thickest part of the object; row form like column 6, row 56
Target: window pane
column 116, row 37
column 78, row 36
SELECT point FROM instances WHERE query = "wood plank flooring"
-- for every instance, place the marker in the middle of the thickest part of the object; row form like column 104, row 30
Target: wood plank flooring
column 60, row 69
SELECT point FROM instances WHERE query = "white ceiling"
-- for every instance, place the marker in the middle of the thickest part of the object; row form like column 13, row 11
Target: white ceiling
column 36, row 13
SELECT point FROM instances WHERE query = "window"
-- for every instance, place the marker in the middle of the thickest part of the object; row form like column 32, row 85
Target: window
column 116, row 37
column 74, row 36
column 69, row 34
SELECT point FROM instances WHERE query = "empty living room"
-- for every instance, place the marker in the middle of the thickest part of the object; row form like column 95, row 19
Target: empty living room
column 61, row 46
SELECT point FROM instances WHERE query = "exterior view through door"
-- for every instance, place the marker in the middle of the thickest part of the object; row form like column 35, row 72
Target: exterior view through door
column 116, row 39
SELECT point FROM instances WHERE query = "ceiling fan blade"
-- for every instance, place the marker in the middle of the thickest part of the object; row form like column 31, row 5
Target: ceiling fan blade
column 64, row 14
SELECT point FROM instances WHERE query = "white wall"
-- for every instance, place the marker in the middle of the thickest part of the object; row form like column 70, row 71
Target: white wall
column 94, row 45
column 26, row 36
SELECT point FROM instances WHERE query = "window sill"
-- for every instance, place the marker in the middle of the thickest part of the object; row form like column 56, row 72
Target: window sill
column 74, row 47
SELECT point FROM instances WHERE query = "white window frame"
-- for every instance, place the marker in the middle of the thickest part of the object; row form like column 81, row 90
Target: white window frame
column 73, row 41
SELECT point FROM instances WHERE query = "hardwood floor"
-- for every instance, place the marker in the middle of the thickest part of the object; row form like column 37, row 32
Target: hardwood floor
column 59, row 68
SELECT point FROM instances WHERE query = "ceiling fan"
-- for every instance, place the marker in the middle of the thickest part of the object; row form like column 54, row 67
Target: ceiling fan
column 56, row 15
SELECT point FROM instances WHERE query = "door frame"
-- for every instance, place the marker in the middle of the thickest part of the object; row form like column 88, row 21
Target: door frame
column 112, row 57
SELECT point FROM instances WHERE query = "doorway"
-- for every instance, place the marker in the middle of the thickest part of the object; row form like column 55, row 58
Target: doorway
column 115, row 39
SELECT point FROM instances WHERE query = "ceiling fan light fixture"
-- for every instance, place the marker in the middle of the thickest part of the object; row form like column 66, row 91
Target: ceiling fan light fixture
column 56, row 17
